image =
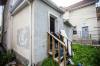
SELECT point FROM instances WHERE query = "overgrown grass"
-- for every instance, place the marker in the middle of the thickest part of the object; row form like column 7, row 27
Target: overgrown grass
column 49, row 62
column 86, row 55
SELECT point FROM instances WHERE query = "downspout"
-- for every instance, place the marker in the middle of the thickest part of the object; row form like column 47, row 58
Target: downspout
column 30, row 61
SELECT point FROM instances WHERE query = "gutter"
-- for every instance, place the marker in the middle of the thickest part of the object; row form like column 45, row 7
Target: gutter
column 18, row 7
column 54, row 6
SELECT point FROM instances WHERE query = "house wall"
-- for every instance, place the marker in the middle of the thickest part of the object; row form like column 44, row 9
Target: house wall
column 22, row 33
column 66, row 15
column 69, row 31
column 41, row 28
column 85, row 16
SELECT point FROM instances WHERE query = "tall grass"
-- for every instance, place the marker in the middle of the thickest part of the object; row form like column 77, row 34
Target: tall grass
column 86, row 55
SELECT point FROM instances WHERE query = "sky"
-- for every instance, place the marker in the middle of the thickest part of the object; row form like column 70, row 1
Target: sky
column 65, row 3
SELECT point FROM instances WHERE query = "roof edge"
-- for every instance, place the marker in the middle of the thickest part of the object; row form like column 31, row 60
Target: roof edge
column 71, row 8
column 54, row 6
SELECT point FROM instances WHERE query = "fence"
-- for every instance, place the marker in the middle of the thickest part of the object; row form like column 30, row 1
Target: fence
column 92, row 38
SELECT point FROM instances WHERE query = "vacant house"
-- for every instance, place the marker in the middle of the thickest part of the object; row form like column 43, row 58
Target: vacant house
column 25, row 27
column 82, row 16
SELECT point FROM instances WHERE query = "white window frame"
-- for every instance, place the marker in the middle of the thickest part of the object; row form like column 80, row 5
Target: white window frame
column 56, row 21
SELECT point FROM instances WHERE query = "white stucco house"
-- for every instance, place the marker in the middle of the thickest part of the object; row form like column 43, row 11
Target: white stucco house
column 26, row 23
column 83, row 17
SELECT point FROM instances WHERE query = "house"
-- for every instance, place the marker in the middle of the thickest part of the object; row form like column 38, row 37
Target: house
column 83, row 17
column 98, row 13
column 25, row 27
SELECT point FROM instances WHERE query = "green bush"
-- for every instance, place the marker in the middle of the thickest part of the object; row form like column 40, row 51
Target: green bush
column 49, row 62
column 86, row 55
column 6, row 58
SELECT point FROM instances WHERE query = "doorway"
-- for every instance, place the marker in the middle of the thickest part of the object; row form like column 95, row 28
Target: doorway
column 85, row 32
column 52, row 24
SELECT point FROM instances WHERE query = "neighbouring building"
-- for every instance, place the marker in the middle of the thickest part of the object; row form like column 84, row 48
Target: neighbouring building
column 83, row 17
column 98, row 15
column 25, row 27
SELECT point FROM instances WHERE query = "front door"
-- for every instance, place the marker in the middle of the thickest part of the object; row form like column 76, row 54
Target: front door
column 85, row 32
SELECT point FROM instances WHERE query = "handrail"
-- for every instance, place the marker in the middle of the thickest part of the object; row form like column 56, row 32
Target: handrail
column 59, row 45
column 57, row 39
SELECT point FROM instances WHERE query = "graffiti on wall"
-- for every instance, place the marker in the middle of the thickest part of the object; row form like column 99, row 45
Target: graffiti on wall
column 23, row 37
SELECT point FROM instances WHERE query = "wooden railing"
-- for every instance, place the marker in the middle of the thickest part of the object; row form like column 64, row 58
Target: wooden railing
column 52, row 50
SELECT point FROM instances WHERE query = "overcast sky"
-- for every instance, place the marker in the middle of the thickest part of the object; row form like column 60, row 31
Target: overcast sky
column 65, row 3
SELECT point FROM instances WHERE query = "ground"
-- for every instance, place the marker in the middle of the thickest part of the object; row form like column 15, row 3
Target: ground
column 87, row 55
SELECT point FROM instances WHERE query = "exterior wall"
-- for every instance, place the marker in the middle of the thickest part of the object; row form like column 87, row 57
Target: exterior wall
column 69, row 31
column 22, row 32
column 41, row 28
column 84, row 17
column 66, row 15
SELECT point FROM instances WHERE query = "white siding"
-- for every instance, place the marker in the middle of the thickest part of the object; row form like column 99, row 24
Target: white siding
column 66, row 15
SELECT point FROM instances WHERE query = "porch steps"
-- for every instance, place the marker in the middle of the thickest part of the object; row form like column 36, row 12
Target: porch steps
column 59, row 53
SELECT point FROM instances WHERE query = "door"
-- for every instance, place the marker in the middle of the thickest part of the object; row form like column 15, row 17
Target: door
column 52, row 24
column 85, row 32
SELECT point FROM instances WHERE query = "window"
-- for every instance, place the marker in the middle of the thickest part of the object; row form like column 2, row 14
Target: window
column 74, row 30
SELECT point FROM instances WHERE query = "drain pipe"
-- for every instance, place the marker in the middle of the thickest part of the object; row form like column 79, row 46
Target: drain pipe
column 30, row 61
